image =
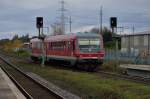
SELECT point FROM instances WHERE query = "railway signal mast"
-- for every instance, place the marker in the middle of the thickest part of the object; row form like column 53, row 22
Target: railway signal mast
column 113, row 25
column 39, row 25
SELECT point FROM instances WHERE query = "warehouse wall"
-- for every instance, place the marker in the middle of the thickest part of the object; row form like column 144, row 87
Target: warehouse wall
column 135, row 44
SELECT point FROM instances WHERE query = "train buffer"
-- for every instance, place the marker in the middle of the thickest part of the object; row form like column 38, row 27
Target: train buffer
column 137, row 70
column 7, row 88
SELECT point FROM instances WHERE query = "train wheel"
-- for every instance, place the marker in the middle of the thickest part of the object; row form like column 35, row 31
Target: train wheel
column 91, row 67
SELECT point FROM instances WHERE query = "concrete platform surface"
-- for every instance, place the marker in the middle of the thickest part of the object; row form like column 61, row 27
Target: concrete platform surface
column 136, row 67
column 7, row 88
column 65, row 94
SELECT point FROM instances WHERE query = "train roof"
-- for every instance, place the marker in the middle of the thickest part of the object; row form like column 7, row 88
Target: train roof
column 70, row 36
column 35, row 40
column 60, row 37
column 67, row 37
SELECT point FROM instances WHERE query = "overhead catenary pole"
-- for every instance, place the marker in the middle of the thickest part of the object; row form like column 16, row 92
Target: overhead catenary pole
column 101, row 20
column 70, row 21
column 133, row 40
column 101, row 14
column 133, row 29
column 62, row 17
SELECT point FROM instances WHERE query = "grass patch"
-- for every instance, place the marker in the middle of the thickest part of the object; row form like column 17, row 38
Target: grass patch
column 22, row 53
column 112, row 66
column 90, row 85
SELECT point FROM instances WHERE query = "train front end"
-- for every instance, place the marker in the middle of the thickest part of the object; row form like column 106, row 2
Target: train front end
column 90, row 51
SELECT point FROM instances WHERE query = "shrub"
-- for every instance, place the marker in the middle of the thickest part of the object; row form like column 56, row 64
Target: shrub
column 111, row 66
column 22, row 52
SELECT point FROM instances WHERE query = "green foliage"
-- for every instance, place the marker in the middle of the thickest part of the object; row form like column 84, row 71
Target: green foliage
column 14, row 44
column 15, row 37
column 109, row 41
column 24, row 38
column 110, row 66
column 22, row 53
column 106, row 33
column 110, row 45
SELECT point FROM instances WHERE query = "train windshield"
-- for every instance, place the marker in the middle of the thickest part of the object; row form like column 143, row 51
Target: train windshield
column 89, row 45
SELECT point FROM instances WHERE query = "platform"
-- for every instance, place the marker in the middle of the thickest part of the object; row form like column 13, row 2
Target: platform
column 7, row 88
column 137, row 70
column 136, row 67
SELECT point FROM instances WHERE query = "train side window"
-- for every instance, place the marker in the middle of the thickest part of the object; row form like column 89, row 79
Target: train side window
column 73, row 45
column 68, row 44
column 49, row 45
column 52, row 45
column 64, row 45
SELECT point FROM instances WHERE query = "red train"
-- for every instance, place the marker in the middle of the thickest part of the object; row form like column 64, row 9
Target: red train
column 84, row 50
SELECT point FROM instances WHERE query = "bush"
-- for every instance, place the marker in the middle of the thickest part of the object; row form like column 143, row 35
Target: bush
column 111, row 66
column 22, row 52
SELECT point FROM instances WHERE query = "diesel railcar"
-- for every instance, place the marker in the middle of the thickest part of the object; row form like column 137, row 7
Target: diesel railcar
column 84, row 50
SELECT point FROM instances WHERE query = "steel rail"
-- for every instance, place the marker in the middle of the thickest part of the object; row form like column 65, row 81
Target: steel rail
column 24, row 74
column 127, row 77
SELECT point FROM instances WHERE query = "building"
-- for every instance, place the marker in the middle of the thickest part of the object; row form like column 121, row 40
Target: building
column 135, row 44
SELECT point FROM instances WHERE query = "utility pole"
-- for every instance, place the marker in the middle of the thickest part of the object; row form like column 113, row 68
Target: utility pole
column 62, row 9
column 101, row 20
column 133, row 29
column 133, row 40
column 70, row 21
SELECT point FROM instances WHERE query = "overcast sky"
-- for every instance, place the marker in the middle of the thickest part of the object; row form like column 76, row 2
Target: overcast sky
column 19, row 16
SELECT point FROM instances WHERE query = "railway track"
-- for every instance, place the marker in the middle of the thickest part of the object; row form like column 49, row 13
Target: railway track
column 126, row 77
column 28, row 86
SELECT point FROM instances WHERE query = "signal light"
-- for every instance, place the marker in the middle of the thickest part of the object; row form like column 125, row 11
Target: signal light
column 39, row 22
column 113, row 22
